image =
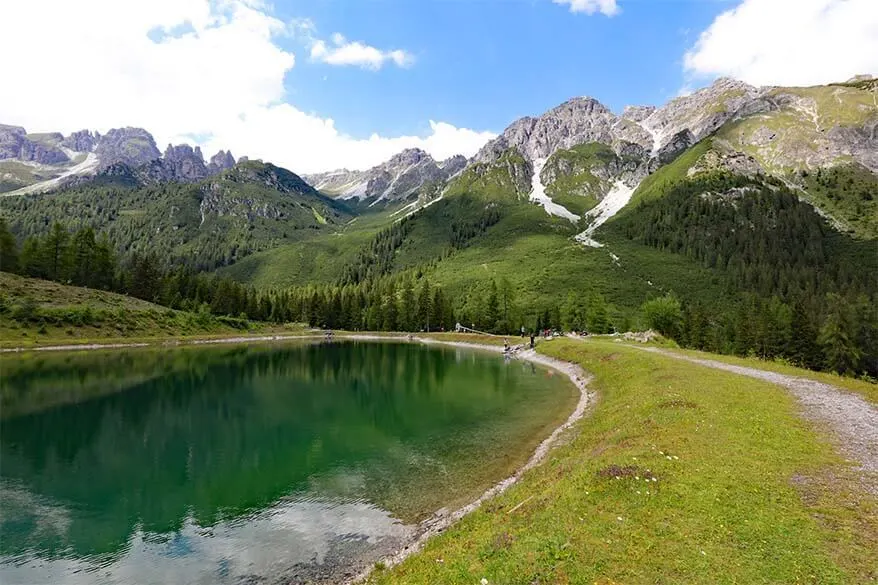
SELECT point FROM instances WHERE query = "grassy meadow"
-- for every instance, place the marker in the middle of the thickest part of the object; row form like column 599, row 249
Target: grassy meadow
column 678, row 474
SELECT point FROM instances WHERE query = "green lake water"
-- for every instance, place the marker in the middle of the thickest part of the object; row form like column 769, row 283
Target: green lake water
column 250, row 464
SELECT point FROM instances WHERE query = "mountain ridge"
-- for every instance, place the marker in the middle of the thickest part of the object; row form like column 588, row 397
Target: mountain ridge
column 41, row 162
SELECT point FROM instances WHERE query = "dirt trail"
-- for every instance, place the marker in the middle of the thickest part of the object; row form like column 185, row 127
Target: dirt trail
column 852, row 419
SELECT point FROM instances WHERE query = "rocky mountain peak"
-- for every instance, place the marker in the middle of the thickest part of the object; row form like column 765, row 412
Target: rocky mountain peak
column 453, row 165
column 638, row 113
column 576, row 121
column 81, row 141
column 221, row 161
column 43, row 149
column 131, row 146
column 183, row 163
column 400, row 177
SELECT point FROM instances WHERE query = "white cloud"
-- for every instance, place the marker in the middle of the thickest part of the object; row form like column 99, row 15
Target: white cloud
column 607, row 7
column 789, row 42
column 180, row 68
column 343, row 52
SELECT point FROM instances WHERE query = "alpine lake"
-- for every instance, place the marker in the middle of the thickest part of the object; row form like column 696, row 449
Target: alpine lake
column 276, row 463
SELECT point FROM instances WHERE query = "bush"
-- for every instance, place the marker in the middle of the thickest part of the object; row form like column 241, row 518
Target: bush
column 664, row 314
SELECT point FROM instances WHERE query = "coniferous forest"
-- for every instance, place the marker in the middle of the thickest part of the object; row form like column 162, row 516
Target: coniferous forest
column 797, row 297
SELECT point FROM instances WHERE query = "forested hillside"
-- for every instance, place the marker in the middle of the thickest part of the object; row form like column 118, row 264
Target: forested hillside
column 738, row 220
column 252, row 207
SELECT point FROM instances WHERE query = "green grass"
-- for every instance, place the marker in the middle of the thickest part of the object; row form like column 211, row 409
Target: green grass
column 866, row 389
column 318, row 259
column 746, row 491
column 501, row 180
column 36, row 312
column 580, row 162
column 578, row 204
column 658, row 183
column 849, row 194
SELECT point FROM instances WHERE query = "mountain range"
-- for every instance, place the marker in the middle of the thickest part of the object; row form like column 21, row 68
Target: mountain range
column 732, row 190
column 31, row 163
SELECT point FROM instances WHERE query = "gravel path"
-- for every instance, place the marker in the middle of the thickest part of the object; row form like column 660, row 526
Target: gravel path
column 852, row 419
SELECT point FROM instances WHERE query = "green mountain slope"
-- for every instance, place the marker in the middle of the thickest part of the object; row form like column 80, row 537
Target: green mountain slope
column 251, row 207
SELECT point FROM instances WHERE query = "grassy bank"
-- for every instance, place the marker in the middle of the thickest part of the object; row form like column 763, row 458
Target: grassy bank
column 680, row 474
column 36, row 312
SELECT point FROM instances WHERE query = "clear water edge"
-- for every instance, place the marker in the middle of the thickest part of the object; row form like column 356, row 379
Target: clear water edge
column 376, row 436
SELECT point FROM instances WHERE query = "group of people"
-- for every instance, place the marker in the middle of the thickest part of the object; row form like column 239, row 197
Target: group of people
column 508, row 349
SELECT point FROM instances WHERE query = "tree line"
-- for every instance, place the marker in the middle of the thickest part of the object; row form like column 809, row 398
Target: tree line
column 835, row 330
column 805, row 293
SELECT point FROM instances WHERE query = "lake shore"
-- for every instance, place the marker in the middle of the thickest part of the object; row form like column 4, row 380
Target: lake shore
column 642, row 472
column 444, row 518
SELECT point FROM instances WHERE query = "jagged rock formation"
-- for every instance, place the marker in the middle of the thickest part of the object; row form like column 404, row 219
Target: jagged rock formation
column 453, row 165
column 184, row 164
column 128, row 152
column 772, row 130
column 221, row 161
column 81, row 141
column 42, row 149
column 131, row 146
column 576, row 121
column 400, row 178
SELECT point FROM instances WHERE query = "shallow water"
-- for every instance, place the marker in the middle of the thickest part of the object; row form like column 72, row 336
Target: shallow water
column 284, row 463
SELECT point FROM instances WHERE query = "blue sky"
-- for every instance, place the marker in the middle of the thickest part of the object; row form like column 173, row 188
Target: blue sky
column 327, row 84
column 483, row 64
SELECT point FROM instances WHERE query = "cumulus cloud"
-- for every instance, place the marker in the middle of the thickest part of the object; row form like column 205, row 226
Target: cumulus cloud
column 208, row 72
column 789, row 42
column 607, row 7
column 344, row 52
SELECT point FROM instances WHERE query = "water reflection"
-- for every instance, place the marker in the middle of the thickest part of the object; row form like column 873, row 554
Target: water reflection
column 262, row 459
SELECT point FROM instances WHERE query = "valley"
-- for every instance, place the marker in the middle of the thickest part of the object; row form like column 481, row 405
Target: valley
column 580, row 215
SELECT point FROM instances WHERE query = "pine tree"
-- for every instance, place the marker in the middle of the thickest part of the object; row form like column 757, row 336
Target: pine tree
column 425, row 307
column 83, row 256
column 492, row 308
column 8, row 249
column 838, row 337
column 55, row 251
column 597, row 315
column 407, row 307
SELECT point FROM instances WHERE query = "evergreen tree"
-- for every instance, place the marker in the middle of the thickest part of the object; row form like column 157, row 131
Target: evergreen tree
column 144, row 278
column 31, row 261
column 8, row 248
column 803, row 349
column 83, row 257
column 597, row 315
column 838, row 337
column 407, row 307
column 55, row 252
column 492, row 308
column 425, row 307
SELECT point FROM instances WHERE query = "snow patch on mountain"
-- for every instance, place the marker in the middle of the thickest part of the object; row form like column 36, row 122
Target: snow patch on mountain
column 610, row 205
column 86, row 167
column 538, row 195
column 658, row 138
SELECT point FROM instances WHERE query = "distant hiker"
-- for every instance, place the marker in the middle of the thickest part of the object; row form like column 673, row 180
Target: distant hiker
column 531, row 340
column 505, row 345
